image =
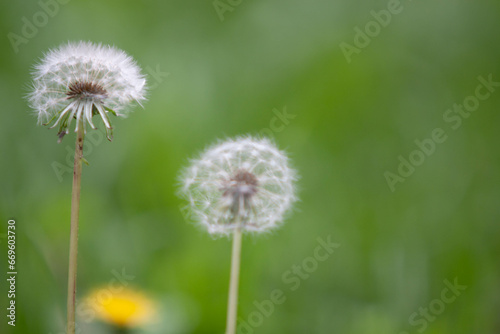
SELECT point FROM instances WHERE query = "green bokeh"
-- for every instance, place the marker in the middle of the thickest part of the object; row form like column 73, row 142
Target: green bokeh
column 352, row 120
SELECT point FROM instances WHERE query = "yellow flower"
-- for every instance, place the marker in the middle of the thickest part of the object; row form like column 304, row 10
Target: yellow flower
column 124, row 308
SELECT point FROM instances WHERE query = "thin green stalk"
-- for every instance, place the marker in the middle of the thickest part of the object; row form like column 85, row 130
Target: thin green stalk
column 73, row 241
column 232, row 305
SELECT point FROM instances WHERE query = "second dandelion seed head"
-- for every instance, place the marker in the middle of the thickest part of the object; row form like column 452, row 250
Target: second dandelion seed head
column 243, row 183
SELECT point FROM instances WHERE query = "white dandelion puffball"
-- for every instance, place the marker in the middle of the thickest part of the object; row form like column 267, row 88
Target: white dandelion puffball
column 80, row 80
column 244, row 183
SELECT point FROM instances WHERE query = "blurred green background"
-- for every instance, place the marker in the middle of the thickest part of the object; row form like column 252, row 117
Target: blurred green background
column 211, row 78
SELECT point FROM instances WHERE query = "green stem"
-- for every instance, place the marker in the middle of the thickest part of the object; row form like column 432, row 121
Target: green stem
column 73, row 241
column 232, row 306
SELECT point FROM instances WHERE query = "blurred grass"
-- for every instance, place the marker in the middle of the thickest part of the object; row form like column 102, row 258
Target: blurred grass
column 352, row 122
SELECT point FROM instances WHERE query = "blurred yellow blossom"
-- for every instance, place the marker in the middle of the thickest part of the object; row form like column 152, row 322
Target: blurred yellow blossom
column 125, row 308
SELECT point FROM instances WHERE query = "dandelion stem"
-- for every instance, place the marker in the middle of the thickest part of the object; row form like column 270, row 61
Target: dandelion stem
column 73, row 243
column 232, row 305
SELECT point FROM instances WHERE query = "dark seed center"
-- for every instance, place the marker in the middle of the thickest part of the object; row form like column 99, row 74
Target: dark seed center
column 84, row 89
column 242, row 184
column 245, row 178
column 240, row 188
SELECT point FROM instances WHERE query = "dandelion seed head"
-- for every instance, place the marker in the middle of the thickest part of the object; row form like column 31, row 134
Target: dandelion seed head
column 80, row 80
column 246, row 182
